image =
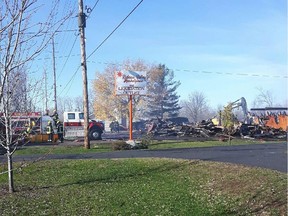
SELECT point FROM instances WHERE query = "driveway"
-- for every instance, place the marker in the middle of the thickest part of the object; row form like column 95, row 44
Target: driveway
column 272, row 156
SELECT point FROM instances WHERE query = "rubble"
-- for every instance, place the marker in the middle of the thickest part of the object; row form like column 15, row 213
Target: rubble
column 207, row 129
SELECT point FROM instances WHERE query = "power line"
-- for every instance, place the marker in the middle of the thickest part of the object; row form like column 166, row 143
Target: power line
column 67, row 57
column 115, row 29
column 73, row 76
column 180, row 70
column 195, row 71
column 89, row 10
column 71, row 79
column 209, row 72
column 44, row 32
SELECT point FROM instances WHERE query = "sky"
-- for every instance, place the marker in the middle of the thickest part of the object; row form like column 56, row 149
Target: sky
column 226, row 49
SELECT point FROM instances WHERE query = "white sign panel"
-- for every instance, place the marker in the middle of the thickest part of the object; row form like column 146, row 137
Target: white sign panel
column 130, row 82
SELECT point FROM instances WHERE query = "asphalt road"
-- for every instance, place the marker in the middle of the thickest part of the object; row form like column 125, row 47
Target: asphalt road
column 272, row 156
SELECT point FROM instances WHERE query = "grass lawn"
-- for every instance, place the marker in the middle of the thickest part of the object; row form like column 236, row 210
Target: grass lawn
column 189, row 144
column 58, row 149
column 143, row 187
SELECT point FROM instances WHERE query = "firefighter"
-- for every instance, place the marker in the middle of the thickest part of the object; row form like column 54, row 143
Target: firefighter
column 55, row 116
column 27, row 130
column 32, row 127
column 49, row 130
column 24, row 135
column 111, row 126
column 116, row 126
column 59, row 126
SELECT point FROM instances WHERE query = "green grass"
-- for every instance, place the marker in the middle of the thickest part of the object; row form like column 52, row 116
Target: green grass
column 57, row 149
column 107, row 146
column 143, row 187
column 190, row 144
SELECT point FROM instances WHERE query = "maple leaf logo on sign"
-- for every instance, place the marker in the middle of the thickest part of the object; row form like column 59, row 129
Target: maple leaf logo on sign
column 119, row 74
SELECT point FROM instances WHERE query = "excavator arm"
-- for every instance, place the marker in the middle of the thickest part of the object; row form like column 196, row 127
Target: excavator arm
column 241, row 102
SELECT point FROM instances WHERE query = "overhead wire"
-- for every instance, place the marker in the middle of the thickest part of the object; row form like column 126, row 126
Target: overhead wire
column 89, row 13
column 185, row 70
column 68, row 57
column 65, row 39
column 73, row 76
column 211, row 72
column 115, row 29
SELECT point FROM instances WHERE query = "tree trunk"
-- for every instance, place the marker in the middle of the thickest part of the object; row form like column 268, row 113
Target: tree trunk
column 10, row 171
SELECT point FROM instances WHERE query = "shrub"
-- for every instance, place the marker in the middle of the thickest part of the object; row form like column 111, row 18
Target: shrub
column 120, row 145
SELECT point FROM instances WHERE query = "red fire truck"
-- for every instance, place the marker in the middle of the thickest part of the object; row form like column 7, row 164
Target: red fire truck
column 74, row 126
column 20, row 121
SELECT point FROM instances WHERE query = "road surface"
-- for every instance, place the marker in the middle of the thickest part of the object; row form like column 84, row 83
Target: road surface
column 272, row 156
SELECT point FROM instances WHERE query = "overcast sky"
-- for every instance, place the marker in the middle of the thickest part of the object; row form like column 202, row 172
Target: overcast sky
column 223, row 48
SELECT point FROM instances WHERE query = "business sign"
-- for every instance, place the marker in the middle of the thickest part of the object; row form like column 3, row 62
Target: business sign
column 130, row 83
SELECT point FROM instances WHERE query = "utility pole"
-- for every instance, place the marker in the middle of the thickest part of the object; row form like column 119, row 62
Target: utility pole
column 54, row 74
column 82, row 25
column 45, row 93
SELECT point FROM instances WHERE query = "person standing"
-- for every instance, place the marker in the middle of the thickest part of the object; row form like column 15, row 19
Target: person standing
column 59, row 126
column 49, row 131
column 116, row 126
column 55, row 116
column 27, row 130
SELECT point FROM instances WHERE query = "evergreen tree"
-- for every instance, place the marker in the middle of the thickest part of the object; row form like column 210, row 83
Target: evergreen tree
column 163, row 100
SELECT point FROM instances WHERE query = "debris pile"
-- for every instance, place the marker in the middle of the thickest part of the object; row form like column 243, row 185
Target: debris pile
column 207, row 129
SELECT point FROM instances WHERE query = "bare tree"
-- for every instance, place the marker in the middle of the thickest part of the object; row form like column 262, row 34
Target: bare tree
column 22, row 39
column 65, row 104
column 78, row 103
column 196, row 107
column 73, row 104
column 265, row 98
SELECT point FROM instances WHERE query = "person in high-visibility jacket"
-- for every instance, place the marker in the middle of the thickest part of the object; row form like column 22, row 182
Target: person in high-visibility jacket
column 55, row 116
column 60, row 131
column 49, row 131
column 27, row 131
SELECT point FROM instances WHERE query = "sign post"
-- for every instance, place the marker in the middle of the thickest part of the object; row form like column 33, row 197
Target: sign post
column 130, row 118
column 130, row 83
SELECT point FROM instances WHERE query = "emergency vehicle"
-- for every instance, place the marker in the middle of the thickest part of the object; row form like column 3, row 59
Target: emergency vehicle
column 38, row 122
column 20, row 121
column 74, row 126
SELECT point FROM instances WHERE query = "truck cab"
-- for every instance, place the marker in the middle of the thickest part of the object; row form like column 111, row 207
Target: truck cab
column 74, row 126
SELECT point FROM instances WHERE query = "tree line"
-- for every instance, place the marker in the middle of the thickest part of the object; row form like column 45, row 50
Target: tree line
column 162, row 99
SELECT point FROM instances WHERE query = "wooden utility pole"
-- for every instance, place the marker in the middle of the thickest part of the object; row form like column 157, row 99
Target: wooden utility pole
column 82, row 25
column 54, row 74
column 45, row 93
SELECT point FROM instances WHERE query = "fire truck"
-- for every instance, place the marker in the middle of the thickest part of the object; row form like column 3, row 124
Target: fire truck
column 73, row 126
column 38, row 122
column 20, row 121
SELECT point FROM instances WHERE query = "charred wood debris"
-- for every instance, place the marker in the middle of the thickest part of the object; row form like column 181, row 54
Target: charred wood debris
column 207, row 129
